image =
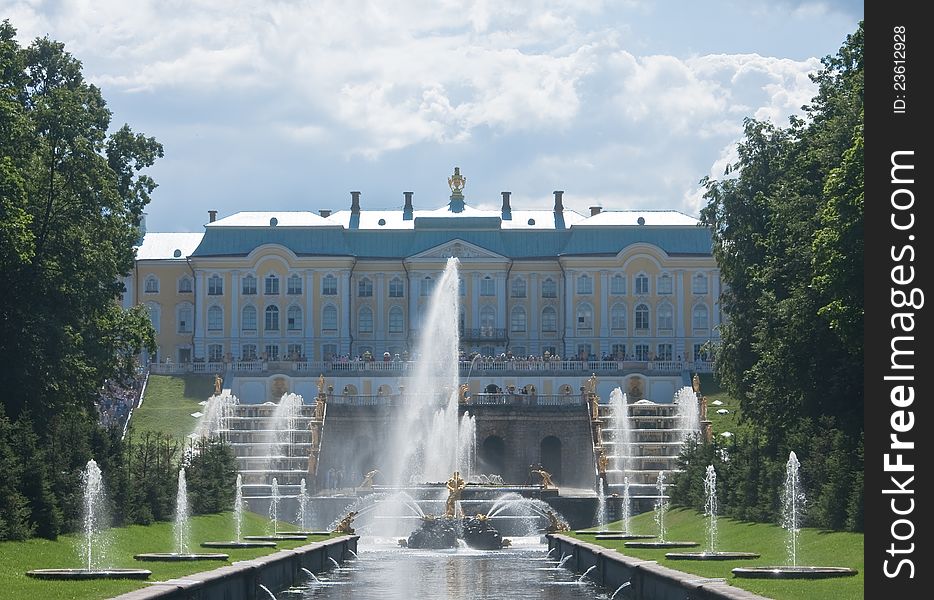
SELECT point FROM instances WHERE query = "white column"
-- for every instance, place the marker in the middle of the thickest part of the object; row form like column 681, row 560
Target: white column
column 568, row 306
column 680, row 335
column 604, row 301
column 501, row 300
column 474, row 302
column 200, row 312
column 380, row 324
column 345, row 312
column 715, row 309
column 310, row 318
column 235, row 314
column 534, row 313
column 413, row 301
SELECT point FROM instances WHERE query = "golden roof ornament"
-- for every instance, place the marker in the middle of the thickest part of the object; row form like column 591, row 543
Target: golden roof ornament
column 457, row 183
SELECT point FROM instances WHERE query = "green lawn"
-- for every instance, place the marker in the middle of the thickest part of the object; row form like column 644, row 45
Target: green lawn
column 18, row 557
column 169, row 402
column 818, row 548
column 720, row 423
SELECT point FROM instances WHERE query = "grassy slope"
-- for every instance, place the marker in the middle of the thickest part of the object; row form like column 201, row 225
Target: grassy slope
column 18, row 557
column 835, row 549
column 169, row 402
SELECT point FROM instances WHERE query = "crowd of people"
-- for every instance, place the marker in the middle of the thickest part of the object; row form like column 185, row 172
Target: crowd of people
column 116, row 398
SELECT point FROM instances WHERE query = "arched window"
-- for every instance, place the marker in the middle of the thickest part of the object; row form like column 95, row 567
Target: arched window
column 155, row 315
column 618, row 285
column 517, row 320
column 584, row 318
column 699, row 283
column 248, row 352
column 365, row 288
column 248, row 285
column 329, row 318
column 700, row 316
column 396, row 322
column 294, row 287
column 487, row 320
column 294, row 318
column 664, row 285
column 151, row 286
column 549, row 320
column 396, row 288
column 215, row 318
column 549, row 288
column 329, row 286
column 215, row 352
column 585, row 284
column 487, row 286
column 184, row 316
column 427, row 285
column 185, row 285
column 215, row 286
column 618, row 317
column 642, row 317
column 272, row 318
column 271, row 285
column 642, row 284
column 518, row 288
column 248, row 318
column 665, row 317
column 365, row 320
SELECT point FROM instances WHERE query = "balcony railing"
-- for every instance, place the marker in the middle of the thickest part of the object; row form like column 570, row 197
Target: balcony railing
column 483, row 334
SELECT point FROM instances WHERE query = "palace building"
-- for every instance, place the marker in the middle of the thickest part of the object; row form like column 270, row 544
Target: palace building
column 280, row 288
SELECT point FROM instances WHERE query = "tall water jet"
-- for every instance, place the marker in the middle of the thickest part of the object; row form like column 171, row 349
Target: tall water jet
column 661, row 506
column 282, row 432
column 238, row 509
column 710, row 507
column 627, row 511
column 217, row 411
column 688, row 412
column 274, row 506
column 620, row 431
column 301, row 515
column 95, row 524
column 429, row 440
column 601, row 505
column 793, row 501
column 182, row 527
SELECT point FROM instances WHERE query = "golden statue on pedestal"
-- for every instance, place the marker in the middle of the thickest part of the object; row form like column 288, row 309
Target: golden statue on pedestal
column 344, row 525
column 547, row 483
column 368, row 479
column 695, row 383
column 455, row 485
column 218, row 384
column 463, row 393
column 554, row 525
column 321, row 384
column 602, row 462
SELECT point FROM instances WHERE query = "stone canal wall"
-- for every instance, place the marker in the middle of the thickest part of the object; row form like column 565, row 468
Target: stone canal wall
column 241, row 580
column 648, row 579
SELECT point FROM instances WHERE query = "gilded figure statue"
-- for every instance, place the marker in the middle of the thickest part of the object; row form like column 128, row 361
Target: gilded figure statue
column 547, row 483
column 695, row 383
column 321, row 383
column 602, row 462
column 463, row 393
column 368, row 479
column 554, row 525
column 344, row 525
column 455, row 485
column 218, row 383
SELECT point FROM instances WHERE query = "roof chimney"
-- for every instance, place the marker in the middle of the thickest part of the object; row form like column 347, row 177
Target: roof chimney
column 595, row 210
column 355, row 203
column 212, row 216
column 407, row 209
column 325, row 212
column 559, row 205
column 507, row 210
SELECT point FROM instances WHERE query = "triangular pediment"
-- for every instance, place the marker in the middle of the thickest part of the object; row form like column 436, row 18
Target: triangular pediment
column 459, row 249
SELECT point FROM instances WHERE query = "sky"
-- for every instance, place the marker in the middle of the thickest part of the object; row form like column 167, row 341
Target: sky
column 290, row 105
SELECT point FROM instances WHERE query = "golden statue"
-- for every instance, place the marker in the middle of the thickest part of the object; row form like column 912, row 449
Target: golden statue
column 554, row 525
column 592, row 384
column 695, row 383
column 218, row 383
column 344, row 525
column 368, row 479
column 547, row 483
column 602, row 462
column 703, row 408
column 321, row 384
column 457, row 183
column 455, row 485
column 315, row 435
column 320, row 403
column 463, row 393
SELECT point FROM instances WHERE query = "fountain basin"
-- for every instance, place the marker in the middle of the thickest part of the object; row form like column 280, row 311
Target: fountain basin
column 710, row 555
column 75, row 574
column 274, row 538
column 661, row 544
column 179, row 557
column 236, row 544
column 790, row 572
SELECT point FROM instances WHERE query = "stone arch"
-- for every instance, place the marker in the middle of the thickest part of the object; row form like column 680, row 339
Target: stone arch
column 493, row 455
column 550, row 452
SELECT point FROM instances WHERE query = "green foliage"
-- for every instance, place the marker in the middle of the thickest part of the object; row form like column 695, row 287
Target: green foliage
column 211, row 477
column 787, row 229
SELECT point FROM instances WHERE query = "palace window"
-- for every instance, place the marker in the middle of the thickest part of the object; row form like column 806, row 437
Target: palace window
column 272, row 285
column 549, row 320
column 272, row 318
column 329, row 318
column 487, row 320
column 185, row 318
column 395, row 320
column 294, row 318
column 427, row 286
column 365, row 288
column 294, row 285
column 665, row 317
column 642, row 317
column 642, row 351
column 396, row 288
column 248, row 286
column 618, row 285
column 461, row 287
column 618, row 351
column 517, row 320
column 215, row 286
column 152, row 285
column 329, row 286
column 185, row 285
column 699, row 283
column 487, row 286
column 664, row 285
column 248, row 352
column 518, row 288
column 584, row 318
column 272, row 351
column 215, row 352
column 215, row 318
column 585, row 284
column 248, row 318
column 549, row 288
column 699, row 317
column 329, row 351
column 294, row 351
column 155, row 315
column 618, row 317
column 664, row 352
column 642, row 284
column 365, row 321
